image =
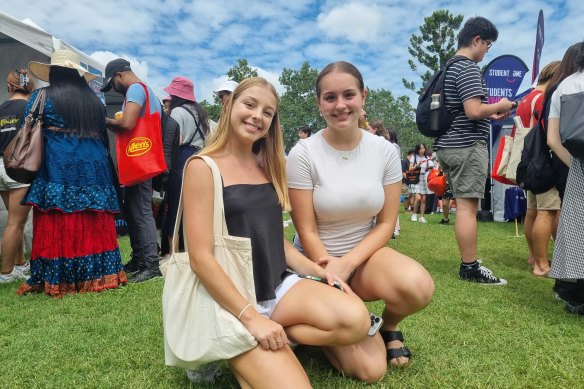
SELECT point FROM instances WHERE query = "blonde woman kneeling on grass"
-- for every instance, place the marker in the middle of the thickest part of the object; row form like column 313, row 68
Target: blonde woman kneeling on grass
column 247, row 147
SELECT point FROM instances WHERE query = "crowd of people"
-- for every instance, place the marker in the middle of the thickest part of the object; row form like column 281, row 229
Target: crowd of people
column 341, row 230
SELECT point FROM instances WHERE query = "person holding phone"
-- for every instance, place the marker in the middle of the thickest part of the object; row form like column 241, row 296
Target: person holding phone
column 248, row 149
column 345, row 228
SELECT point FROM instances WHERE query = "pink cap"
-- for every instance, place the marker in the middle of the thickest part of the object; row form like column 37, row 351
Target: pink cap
column 181, row 87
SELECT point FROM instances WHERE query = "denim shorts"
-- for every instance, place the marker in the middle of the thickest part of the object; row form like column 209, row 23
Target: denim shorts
column 466, row 168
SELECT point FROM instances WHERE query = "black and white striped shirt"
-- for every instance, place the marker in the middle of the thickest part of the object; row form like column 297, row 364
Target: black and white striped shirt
column 463, row 81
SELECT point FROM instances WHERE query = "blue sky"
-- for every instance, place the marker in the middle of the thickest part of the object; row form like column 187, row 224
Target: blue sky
column 203, row 39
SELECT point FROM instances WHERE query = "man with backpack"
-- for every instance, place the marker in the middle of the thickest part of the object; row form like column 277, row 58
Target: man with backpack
column 462, row 149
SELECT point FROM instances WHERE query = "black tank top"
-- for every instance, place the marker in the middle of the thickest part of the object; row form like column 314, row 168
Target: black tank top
column 253, row 211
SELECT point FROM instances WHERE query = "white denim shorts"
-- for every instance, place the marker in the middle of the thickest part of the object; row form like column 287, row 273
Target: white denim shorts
column 7, row 183
column 267, row 307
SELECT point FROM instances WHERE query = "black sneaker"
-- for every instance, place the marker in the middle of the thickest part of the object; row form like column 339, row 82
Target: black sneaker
column 481, row 275
column 132, row 266
column 444, row 221
column 146, row 274
column 575, row 308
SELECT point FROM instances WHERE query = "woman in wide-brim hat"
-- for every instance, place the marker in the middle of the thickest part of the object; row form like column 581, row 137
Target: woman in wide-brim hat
column 74, row 247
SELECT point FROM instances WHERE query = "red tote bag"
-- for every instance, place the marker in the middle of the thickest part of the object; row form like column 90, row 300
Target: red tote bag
column 139, row 151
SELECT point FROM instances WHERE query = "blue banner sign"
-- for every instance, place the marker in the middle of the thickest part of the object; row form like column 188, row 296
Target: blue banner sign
column 539, row 39
column 503, row 76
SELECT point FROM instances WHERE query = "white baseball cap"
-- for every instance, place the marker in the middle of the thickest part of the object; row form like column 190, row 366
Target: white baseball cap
column 228, row 86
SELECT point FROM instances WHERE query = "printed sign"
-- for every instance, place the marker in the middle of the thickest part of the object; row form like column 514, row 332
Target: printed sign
column 503, row 76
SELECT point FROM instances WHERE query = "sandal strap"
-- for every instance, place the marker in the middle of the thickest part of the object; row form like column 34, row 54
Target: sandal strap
column 389, row 336
column 393, row 353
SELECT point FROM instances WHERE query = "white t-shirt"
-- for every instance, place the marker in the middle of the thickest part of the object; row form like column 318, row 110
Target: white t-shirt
column 426, row 165
column 347, row 185
column 571, row 84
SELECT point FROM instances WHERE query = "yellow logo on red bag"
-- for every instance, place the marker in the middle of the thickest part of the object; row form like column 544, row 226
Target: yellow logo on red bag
column 138, row 146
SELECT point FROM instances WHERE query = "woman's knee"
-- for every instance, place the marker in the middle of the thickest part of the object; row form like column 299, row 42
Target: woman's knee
column 417, row 288
column 353, row 322
column 371, row 371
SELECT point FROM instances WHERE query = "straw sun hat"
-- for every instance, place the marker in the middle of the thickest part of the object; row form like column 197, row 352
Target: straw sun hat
column 61, row 58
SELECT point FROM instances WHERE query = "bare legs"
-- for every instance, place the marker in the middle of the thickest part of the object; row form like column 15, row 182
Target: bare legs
column 406, row 287
column 466, row 228
column 419, row 204
column 445, row 208
column 528, row 230
column 312, row 313
column 541, row 233
column 12, row 241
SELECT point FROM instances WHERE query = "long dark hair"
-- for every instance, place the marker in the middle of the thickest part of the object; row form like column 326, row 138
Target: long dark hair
column 176, row 101
column 75, row 102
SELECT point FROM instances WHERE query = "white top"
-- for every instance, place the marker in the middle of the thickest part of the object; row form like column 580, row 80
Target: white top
column 427, row 163
column 347, row 185
column 571, row 84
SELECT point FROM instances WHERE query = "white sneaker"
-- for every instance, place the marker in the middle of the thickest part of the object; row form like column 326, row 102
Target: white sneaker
column 16, row 275
column 24, row 269
column 414, row 217
column 396, row 232
column 422, row 220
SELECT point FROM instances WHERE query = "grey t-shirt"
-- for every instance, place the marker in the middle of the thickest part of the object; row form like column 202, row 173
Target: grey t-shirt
column 347, row 185
column 187, row 125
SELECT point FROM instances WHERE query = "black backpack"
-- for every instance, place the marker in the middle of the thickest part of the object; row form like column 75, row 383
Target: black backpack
column 170, row 142
column 536, row 171
column 435, row 85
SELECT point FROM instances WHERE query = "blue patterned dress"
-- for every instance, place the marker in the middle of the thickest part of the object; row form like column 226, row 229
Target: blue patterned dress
column 74, row 247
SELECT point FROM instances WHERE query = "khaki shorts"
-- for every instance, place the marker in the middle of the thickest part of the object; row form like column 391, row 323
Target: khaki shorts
column 466, row 169
column 547, row 201
column 405, row 190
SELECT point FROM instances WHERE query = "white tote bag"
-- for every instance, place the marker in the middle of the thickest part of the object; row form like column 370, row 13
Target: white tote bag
column 507, row 146
column 197, row 329
column 517, row 146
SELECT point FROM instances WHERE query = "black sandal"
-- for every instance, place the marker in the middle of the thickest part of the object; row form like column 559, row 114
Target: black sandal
column 394, row 353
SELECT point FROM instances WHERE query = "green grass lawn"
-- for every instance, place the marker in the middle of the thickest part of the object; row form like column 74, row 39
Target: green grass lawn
column 470, row 336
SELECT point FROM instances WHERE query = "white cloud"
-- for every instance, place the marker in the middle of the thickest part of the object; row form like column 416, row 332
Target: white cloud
column 203, row 39
column 140, row 68
column 357, row 22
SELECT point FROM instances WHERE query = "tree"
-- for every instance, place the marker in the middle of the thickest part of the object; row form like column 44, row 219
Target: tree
column 238, row 72
column 434, row 46
column 241, row 71
column 298, row 103
column 213, row 109
column 396, row 113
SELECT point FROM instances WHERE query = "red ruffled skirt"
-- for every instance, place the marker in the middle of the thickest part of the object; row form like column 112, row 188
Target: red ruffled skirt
column 74, row 253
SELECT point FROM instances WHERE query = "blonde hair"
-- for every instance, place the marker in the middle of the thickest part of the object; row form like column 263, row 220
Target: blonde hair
column 548, row 71
column 270, row 149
